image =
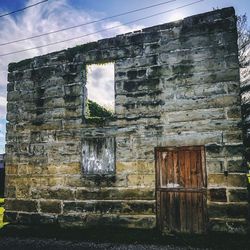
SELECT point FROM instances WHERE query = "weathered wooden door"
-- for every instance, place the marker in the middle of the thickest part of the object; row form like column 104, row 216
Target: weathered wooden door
column 181, row 189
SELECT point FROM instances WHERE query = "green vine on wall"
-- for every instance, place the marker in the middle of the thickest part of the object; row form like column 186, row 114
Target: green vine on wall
column 96, row 110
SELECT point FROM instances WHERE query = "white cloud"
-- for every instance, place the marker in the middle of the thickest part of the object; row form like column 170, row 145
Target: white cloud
column 100, row 84
column 52, row 15
column 2, row 100
column 2, row 135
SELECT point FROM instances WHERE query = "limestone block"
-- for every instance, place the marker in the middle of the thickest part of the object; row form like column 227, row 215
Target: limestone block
column 141, row 180
column 193, row 115
column 238, row 195
column 56, row 181
column 49, row 206
column 238, row 211
column 11, row 169
column 22, row 191
column 215, row 165
column 21, row 205
column 34, row 219
column 236, row 165
column 217, row 195
column 228, row 225
column 58, row 193
column 109, row 207
column 232, row 180
column 116, row 194
column 128, row 221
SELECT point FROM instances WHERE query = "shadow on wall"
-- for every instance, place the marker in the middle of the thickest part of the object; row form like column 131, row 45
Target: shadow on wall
column 2, row 175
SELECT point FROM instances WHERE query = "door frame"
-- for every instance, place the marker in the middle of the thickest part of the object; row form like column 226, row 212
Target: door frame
column 157, row 178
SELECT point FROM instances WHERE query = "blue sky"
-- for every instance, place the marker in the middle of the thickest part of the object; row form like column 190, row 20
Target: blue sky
column 109, row 7
column 57, row 14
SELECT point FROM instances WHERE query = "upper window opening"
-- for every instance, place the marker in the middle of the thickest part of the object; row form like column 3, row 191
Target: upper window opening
column 100, row 91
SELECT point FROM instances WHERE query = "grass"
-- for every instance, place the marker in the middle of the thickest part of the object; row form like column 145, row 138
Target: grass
column 2, row 224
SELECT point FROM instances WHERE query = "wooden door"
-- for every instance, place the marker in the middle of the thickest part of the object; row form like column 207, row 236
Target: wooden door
column 181, row 189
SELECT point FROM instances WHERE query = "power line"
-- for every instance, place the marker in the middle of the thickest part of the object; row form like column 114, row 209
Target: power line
column 27, row 7
column 114, row 27
column 84, row 24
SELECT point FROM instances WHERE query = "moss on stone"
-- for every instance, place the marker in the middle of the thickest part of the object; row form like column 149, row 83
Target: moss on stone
column 95, row 120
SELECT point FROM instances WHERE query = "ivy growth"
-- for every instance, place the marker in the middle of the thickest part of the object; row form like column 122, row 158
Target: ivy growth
column 96, row 110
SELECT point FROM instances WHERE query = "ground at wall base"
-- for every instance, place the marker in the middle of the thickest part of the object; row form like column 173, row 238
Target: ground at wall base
column 108, row 238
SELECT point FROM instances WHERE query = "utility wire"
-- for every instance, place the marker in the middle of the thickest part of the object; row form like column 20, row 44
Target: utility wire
column 114, row 27
column 84, row 24
column 27, row 7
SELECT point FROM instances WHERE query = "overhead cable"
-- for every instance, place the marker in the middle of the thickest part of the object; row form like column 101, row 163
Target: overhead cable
column 27, row 7
column 95, row 32
column 84, row 24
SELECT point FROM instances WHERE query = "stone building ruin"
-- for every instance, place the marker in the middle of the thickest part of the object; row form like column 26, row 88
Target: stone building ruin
column 171, row 156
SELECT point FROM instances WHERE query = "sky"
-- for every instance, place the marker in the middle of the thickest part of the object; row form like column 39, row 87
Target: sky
column 57, row 14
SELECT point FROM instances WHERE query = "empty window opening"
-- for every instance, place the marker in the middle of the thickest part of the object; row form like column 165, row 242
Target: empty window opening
column 100, row 90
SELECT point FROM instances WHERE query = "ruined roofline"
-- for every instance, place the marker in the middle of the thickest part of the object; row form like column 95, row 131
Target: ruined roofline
column 187, row 21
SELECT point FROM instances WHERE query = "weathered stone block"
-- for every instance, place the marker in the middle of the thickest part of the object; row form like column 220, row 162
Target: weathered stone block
column 116, row 194
column 201, row 114
column 75, row 181
column 234, row 112
column 64, row 169
column 218, row 194
column 56, row 181
column 73, row 90
column 236, row 150
column 238, row 195
column 23, row 191
column 35, row 219
column 135, row 180
column 214, row 150
column 228, row 225
column 141, row 180
column 139, row 85
column 11, row 169
column 236, row 166
column 125, row 167
column 13, row 96
column 21, row 205
column 53, row 193
column 232, row 180
column 10, row 191
column 50, row 207
column 74, row 220
column 132, row 221
column 11, row 217
column 227, row 210
column 215, row 166
column 112, row 207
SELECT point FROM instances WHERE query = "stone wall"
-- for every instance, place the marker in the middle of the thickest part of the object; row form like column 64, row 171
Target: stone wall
column 176, row 84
